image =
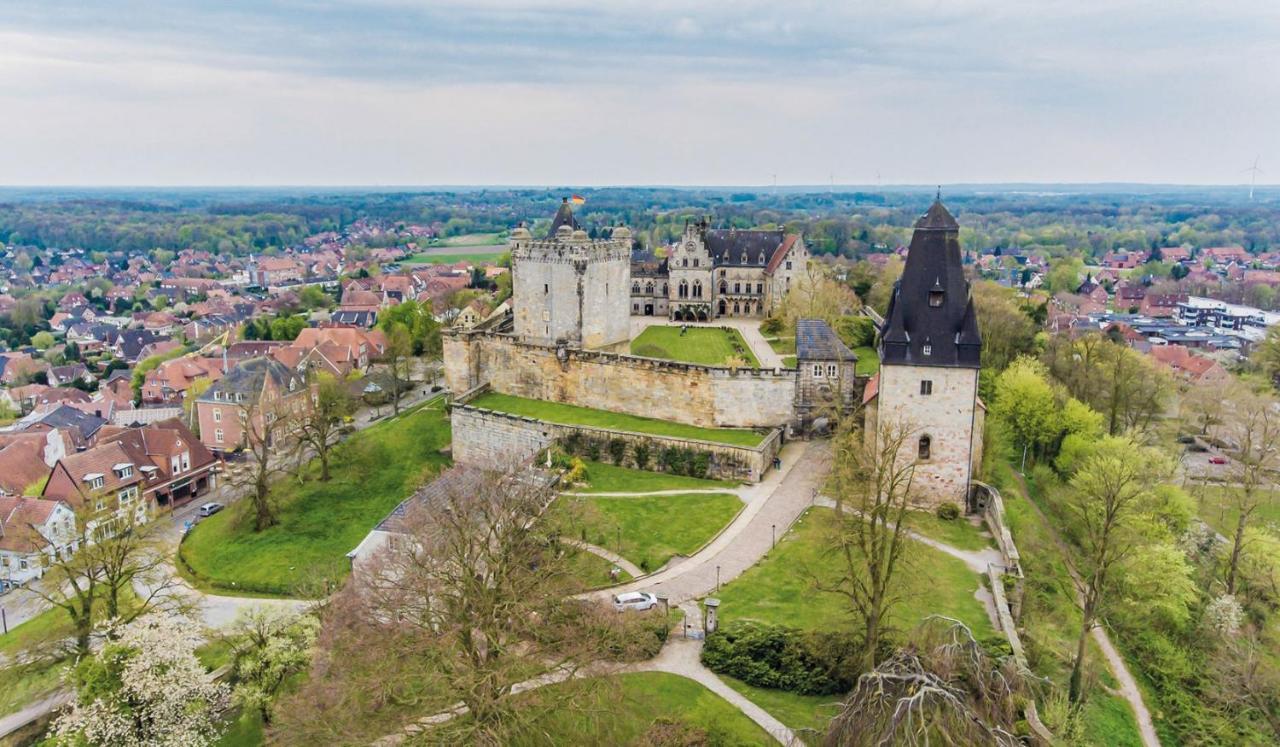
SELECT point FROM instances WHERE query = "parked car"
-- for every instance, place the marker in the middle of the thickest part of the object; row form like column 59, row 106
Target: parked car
column 1217, row 460
column 209, row 509
column 634, row 600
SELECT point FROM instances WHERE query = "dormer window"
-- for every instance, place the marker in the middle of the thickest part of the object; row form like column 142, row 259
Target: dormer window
column 123, row 470
column 95, row 480
column 927, row 349
column 936, row 295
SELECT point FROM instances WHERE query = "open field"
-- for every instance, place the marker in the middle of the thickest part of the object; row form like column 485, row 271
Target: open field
column 709, row 346
column 622, row 710
column 609, row 478
column 647, row 531
column 475, row 257
column 557, row 412
column 957, row 532
column 320, row 522
column 780, row 589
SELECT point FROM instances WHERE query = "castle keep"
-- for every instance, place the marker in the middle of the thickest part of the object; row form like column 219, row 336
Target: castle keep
column 930, row 351
column 571, row 289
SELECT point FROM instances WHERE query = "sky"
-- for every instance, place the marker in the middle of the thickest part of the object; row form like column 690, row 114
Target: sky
column 616, row 92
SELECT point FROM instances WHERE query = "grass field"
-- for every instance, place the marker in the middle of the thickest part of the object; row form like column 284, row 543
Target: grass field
column 1217, row 507
column 557, row 412
column 789, row 361
column 609, row 478
column 652, row 529
column 708, row 346
column 808, row 715
column 448, row 259
column 320, row 522
column 868, row 361
column 473, row 239
column 782, row 345
column 591, row 570
column 621, row 711
column 957, row 533
column 780, row 589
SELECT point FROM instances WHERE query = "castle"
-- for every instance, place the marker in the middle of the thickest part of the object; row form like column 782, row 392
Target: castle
column 570, row 324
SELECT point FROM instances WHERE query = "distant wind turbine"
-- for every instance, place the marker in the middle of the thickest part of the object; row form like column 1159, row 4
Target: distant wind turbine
column 1253, row 176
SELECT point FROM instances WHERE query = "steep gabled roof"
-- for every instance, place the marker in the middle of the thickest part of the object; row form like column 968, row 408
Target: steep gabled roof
column 931, row 319
column 815, row 340
column 564, row 217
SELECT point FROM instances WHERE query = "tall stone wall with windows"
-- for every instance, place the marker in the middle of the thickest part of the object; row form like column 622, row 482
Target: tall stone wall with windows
column 683, row 393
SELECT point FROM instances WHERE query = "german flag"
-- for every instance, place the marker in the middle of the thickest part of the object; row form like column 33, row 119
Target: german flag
column 577, row 199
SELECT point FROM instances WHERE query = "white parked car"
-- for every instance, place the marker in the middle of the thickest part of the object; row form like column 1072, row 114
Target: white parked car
column 634, row 600
column 209, row 509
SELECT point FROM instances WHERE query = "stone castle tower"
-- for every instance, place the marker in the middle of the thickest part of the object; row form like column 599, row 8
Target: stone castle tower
column 929, row 360
column 570, row 289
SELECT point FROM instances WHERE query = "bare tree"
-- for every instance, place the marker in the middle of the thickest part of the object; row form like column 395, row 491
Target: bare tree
column 320, row 426
column 1107, row 500
column 466, row 602
column 117, row 572
column 1254, row 423
column 397, row 356
column 269, row 441
column 872, row 482
column 941, row 688
column 1246, row 680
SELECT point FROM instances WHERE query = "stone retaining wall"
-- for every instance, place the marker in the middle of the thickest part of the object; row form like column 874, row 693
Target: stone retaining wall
column 707, row 396
column 492, row 439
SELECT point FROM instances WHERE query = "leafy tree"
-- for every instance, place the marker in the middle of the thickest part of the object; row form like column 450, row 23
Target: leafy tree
column 42, row 340
column 314, row 297
column 396, row 359
column 144, row 689
column 269, row 644
column 320, row 426
column 1110, row 494
column 418, row 321
column 1254, row 424
column 269, row 439
column 1025, row 405
column 1007, row 331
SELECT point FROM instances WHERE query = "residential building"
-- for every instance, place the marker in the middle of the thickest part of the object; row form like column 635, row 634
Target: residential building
column 102, row 484
column 176, row 467
column 250, row 395
column 32, row 531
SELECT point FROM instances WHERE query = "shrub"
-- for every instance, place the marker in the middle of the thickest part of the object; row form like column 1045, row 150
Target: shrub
column 573, row 443
column 640, row 454
column 700, row 464
column 948, row 512
column 772, row 326
column 577, row 471
column 617, row 450
column 773, row 656
column 671, row 459
column 593, row 449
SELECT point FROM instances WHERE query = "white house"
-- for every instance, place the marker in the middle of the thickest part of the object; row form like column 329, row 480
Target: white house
column 31, row 531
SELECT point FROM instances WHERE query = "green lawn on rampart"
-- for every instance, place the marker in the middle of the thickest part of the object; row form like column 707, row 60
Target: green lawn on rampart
column 558, row 412
column 320, row 522
column 708, row 346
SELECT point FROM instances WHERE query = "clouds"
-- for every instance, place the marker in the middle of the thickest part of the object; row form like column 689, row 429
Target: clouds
column 394, row 91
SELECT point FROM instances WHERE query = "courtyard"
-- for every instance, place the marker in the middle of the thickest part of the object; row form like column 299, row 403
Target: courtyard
column 708, row 346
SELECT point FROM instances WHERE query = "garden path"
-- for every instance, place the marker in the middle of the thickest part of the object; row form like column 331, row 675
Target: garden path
column 608, row 555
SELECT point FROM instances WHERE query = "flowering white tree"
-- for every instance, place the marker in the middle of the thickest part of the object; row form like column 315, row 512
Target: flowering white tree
column 270, row 644
column 144, row 689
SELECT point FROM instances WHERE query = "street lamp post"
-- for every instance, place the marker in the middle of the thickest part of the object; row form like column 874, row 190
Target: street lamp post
column 774, row 529
column 717, row 579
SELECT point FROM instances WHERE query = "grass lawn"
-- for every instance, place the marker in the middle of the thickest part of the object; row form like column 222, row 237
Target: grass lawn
column 789, row 361
column 557, row 412
column 957, row 532
column 320, row 522
column 473, row 239
column 609, row 478
column 622, row 709
column 652, row 528
column 709, row 346
column 782, row 345
column 1217, row 507
column 245, row 729
column 868, row 361
column 448, row 259
column 808, row 715
column 779, row 589
column 592, row 570
column 20, row 686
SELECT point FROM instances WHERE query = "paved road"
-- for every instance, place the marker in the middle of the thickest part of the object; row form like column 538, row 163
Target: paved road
column 772, row 506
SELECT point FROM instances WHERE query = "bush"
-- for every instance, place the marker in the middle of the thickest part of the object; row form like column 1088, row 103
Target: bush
column 573, row 443
column 593, row 450
column 773, row 656
column 617, row 450
column 700, row 464
column 640, row 454
column 948, row 512
column 772, row 326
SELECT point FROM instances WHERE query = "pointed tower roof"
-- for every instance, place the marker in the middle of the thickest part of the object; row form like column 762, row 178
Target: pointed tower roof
column 564, row 217
column 931, row 319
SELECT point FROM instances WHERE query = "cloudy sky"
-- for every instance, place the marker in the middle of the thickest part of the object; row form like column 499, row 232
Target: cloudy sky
column 596, row 92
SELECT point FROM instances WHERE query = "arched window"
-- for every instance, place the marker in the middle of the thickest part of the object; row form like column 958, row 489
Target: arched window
column 684, row 262
column 724, row 287
column 697, row 289
column 664, row 289
column 648, row 289
column 736, row 309
column 684, row 289
column 737, row 287
column 925, row 444
column 635, row 289
column 722, row 307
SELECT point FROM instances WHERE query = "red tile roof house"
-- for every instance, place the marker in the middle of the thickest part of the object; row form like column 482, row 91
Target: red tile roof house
column 22, row 464
column 102, row 484
column 167, row 383
column 1190, row 367
column 1224, row 254
column 257, row 387
column 1161, row 304
column 176, row 467
column 1123, row 260
column 31, row 531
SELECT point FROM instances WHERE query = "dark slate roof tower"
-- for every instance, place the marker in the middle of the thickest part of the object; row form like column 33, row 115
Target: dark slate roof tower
column 931, row 319
column 564, row 217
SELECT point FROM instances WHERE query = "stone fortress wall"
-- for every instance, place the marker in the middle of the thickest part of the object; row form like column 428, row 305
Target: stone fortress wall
column 705, row 396
column 503, row 440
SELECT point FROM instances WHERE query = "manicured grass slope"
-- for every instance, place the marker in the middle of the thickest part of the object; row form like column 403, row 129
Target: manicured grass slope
column 653, row 528
column 709, row 346
column 632, row 703
column 956, row 532
column 868, row 360
column 609, row 478
column 808, row 715
column 780, row 590
column 557, row 412
column 320, row 522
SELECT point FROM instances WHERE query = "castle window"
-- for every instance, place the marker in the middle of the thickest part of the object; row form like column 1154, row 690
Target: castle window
column 935, row 298
column 695, row 261
column 831, row 370
column 684, row 289
column 648, row 289
column 817, row 370
column 925, row 446
column 684, row 262
column 724, row 287
column 927, row 349
column 759, row 288
column 926, row 386
column 788, row 264
column 737, row 287
column 736, row 309
column 697, row 286
column 635, row 289
column 546, row 288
